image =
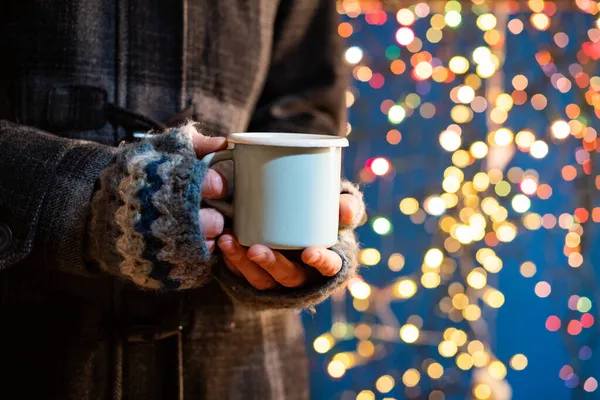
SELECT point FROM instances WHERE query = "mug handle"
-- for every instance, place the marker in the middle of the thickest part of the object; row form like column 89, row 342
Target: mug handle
column 210, row 159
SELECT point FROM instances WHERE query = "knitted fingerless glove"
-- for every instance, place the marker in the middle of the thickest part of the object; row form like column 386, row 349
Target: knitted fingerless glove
column 321, row 287
column 145, row 224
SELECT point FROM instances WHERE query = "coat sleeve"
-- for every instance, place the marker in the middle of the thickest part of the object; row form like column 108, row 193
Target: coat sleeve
column 46, row 183
column 304, row 93
column 90, row 209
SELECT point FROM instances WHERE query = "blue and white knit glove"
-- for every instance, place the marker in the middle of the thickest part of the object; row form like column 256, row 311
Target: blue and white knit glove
column 144, row 224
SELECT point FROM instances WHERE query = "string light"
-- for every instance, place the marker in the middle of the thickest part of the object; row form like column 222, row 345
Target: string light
column 473, row 210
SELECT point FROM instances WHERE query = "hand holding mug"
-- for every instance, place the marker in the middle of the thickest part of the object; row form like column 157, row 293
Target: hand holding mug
column 286, row 197
column 264, row 268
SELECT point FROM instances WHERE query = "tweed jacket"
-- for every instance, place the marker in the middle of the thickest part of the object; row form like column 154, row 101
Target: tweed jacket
column 80, row 77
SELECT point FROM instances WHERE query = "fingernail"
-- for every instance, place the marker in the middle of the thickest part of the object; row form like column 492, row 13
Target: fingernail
column 316, row 257
column 226, row 245
column 259, row 257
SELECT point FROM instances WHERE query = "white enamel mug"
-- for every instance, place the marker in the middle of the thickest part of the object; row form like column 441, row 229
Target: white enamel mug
column 286, row 188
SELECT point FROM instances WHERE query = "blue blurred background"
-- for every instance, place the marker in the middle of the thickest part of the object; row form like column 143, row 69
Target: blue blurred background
column 561, row 362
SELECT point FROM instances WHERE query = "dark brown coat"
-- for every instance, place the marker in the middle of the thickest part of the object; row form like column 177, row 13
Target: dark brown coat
column 70, row 332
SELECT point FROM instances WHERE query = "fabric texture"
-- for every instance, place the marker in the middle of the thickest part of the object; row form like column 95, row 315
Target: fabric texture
column 145, row 214
column 72, row 330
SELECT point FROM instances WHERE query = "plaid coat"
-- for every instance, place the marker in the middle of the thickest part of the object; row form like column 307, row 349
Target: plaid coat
column 69, row 68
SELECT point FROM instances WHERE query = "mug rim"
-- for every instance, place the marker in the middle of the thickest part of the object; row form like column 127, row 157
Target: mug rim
column 287, row 139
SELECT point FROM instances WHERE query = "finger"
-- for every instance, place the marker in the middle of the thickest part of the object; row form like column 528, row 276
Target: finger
column 236, row 255
column 232, row 267
column 327, row 262
column 211, row 245
column 205, row 144
column 212, row 222
column 277, row 265
column 349, row 208
column 214, row 185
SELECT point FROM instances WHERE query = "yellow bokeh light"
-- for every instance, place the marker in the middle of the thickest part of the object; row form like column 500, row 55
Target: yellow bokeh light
column 477, row 278
column 494, row 298
column 495, row 175
column 521, row 203
column 486, row 70
column 450, row 199
column 485, row 22
column 405, row 16
column 446, row 223
column 480, row 358
column 409, row 333
column 447, row 348
column 472, row 312
column 520, row 82
column 464, row 234
column 433, row 258
column 409, row 206
column 540, row 21
column 365, row 348
column 434, row 205
column 481, row 181
column 504, row 101
column 450, row 140
column 323, row 343
column 459, row 337
column 532, row 221
column 365, row 395
column 506, row 232
column 411, row 377
column 455, row 172
column 528, row 269
column 497, row 370
column 336, row 369
column 499, row 216
column 492, row 264
column 479, row 149
column 430, row 280
column 464, row 361
column 396, row 262
column 475, row 346
column 460, row 301
column 489, row 205
column 347, row 359
column 359, row 289
column 482, row 55
column 502, row 188
column 423, row 70
column 525, row 139
column 461, row 114
column 363, row 331
column 451, row 184
column 435, row 370
column 385, row 384
column 482, row 392
column 518, row 362
column 369, row 256
column 434, row 35
column 406, row 288
column 560, row 129
column 465, row 94
column 498, row 115
column 458, row 65
column 448, row 333
column 503, row 137
column 461, row 158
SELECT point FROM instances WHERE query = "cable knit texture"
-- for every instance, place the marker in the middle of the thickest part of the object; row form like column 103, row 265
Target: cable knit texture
column 144, row 224
column 321, row 288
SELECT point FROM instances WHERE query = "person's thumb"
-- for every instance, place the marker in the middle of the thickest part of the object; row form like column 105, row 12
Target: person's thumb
column 205, row 144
